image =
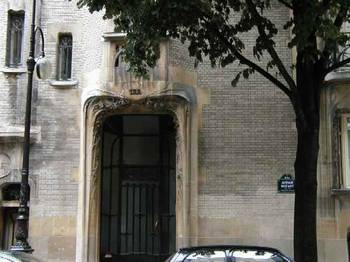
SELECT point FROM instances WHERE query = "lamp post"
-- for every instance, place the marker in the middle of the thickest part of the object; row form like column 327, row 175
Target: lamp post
column 39, row 66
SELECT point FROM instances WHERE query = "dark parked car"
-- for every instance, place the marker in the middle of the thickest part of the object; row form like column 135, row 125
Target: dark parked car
column 228, row 254
column 9, row 256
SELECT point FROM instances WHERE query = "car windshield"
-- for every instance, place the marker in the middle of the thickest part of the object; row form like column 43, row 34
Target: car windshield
column 228, row 255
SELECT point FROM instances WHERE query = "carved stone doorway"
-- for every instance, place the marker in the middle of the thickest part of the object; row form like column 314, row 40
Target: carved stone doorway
column 99, row 108
column 138, row 188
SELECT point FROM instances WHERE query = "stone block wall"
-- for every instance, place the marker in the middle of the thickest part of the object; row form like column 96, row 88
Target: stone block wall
column 56, row 161
column 56, row 112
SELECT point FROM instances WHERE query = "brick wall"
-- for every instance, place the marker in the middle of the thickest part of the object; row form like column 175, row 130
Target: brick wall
column 247, row 142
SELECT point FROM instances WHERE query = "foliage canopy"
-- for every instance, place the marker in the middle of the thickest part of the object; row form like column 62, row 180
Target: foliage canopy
column 214, row 28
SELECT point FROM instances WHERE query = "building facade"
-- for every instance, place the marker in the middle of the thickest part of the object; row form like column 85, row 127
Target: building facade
column 122, row 167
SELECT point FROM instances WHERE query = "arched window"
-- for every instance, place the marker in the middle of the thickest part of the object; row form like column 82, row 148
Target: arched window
column 15, row 30
column 121, row 73
column 119, row 61
column 118, row 57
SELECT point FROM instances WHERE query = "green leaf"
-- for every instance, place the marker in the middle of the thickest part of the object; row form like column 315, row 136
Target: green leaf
column 235, row 81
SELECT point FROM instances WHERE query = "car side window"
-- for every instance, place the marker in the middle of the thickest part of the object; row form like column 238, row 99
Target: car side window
column 254, row 255
column 234, row 254
column 206, row 256
column 179, row 257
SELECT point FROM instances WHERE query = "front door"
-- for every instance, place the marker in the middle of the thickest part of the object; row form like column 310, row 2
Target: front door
column 138, row 188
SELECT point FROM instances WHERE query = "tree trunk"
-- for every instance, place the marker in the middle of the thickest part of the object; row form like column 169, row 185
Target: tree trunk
column 307, row 108
column 305, row 232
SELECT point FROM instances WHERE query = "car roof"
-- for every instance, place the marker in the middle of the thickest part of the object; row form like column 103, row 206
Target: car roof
column 225, row 247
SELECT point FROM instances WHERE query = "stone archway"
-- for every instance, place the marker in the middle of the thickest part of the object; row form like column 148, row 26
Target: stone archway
column 96, row 110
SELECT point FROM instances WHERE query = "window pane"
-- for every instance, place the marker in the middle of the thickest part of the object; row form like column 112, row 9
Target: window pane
column 14, row 38
column 141, row 150
column 64, row 66
column 141, row 125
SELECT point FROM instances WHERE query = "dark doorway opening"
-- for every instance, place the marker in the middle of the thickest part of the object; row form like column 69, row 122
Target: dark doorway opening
column 9, row 211
column 138, row 193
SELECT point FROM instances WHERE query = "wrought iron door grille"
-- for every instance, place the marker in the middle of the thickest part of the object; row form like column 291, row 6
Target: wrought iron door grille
column 138, row 190
column 139, row 218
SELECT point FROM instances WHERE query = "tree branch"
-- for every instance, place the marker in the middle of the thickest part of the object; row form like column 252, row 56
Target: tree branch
column 338, row 22
column 325, row 6
column 264, row 73
column 337, row 65
column 215, row 31
column 286, row 4
column 254, row 66
column 268, row 44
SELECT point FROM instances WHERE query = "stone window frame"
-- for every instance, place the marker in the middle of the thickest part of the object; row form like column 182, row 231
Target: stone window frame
column 341, row 180
column 14, row 56
column 64, row 68
column 128, row 80
column 122, row 68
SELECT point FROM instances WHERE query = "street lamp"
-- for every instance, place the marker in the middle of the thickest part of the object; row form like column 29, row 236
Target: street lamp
column 41, row 67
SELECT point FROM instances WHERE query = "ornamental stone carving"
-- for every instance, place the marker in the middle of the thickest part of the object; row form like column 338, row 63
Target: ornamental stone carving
column 101, row 108
column 5, row 163
column 97, row 108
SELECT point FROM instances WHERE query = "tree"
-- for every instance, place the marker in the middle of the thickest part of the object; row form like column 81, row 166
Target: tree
column 214, row 28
